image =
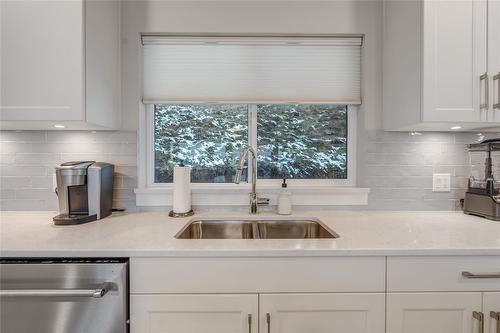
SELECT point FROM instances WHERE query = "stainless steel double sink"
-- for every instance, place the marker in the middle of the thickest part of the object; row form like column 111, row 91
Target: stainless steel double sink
column 263, row 228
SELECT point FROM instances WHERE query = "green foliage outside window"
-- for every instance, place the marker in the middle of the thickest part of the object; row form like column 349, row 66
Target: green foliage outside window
column 302, row 141
column 206, row 137
column 296, row 141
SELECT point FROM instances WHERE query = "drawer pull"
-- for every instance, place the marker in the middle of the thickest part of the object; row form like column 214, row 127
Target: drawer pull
column 470, row 275
column 479, row 316
column 485, row 105
column 496, row 106
column 496, row 316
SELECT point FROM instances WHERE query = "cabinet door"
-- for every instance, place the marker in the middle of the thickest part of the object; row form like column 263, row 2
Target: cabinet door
column 193, row 313
column 433, row 312
column 41, row 59
column 491, row 303
column 494, row 55
column 454, row 58
column 322, row 313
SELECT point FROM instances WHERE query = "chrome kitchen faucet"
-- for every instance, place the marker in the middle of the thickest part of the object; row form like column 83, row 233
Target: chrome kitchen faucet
column 255, row 201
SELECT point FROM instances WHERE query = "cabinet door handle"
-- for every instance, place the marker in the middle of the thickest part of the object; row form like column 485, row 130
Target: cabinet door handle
column 268, row 321
column 470, row 275
column 496, row 316
column 249, row 323
column 484, row 77
column 479, row 316
column 496, row 106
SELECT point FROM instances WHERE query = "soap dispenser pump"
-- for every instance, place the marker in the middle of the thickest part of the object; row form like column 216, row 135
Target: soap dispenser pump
column 284, row 200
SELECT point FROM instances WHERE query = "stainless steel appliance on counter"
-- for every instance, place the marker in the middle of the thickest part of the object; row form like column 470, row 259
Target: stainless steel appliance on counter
column 84, row 190
column 64, row 295
column 483, row 193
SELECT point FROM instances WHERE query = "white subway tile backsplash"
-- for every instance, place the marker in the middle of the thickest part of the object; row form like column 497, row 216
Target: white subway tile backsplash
column 7, row 158
column 15, row 147
column 22, row 170
column 44, row 182
column 23, row 136
column 122, row 159
column 397, row 166
column 92, row 137
column 462, row 171
column 129, row 182
column 33, row 193
column 7, row 194
column 123, row 194
column 433, row 137
column 50, row 159
column 126, row 170
column 28, row 158
column 14, row 182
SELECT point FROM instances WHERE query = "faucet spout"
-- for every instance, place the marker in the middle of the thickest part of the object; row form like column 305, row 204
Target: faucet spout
column 254, row 200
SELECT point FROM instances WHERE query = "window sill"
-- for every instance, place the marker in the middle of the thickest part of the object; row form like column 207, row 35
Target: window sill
column 237, row 195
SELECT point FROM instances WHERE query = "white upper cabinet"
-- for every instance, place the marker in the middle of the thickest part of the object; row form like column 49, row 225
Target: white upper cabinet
column 454, row 58
column 42, row 55
column 436, row 72
column 60, row 63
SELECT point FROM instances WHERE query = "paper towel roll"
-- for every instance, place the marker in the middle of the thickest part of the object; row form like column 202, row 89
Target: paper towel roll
column 182, row 190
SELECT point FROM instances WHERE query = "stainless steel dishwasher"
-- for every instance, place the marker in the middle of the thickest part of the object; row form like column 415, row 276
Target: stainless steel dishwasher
column 64, row 295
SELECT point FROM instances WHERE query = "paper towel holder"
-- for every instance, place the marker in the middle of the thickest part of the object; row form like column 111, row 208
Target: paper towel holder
column 174, row 214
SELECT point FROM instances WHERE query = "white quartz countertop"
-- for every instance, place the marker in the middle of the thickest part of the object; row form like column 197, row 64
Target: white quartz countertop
column 366, row 233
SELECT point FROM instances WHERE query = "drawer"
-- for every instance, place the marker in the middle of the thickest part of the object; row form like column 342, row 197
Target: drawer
column 254, row 275
column 443, row 273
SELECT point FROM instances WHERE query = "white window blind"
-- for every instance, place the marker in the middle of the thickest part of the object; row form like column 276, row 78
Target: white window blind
column 243, row 69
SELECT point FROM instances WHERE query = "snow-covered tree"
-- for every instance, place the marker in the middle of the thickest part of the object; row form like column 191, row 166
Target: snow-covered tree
column 296, row 141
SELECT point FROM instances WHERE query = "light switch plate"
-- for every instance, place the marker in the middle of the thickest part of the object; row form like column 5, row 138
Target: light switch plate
column 441, row 182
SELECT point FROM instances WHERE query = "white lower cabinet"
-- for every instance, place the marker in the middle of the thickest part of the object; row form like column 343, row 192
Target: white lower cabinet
column 315, row 295
column 193, row 313
column 279, row 313
column 433, row 312
column 491, row 309
column 322, row 313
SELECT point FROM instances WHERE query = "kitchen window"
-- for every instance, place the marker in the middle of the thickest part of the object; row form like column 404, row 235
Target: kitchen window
column 293, row 98
column 307, row 142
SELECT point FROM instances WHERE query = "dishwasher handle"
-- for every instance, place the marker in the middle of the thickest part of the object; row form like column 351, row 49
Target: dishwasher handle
column 99, row 292
column 469, row 275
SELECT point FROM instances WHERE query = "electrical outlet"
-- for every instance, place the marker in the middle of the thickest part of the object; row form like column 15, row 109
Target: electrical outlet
column 441, row 182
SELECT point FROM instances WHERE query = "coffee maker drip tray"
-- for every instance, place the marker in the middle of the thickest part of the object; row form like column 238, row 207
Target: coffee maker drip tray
column 71, row 219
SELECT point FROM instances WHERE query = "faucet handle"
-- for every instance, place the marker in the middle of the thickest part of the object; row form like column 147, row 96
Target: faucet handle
column 262, row 201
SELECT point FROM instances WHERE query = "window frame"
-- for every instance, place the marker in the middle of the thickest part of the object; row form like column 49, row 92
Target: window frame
column 147, row 172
